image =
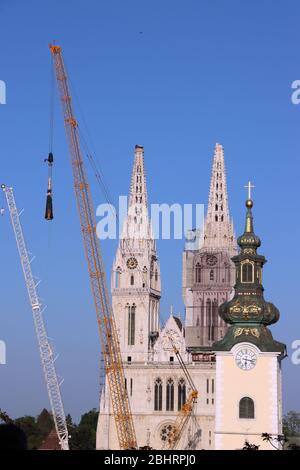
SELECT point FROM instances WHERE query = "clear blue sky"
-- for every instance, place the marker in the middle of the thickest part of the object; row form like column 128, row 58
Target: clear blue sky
column 201, row 72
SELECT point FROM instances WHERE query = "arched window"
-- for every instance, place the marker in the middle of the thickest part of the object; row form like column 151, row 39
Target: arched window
column 132, row 280
column 216, row 218
column 247, row 272
column 246, row 408
column 118, row 277
column 156, row 275
column 158, row 395
column 198, row 273
column 170, row 395
column 214, row 318
column 145, row 272
column 131, row 324
column 202, row 313
column 208, row 318
column 211, row 275
column 181, row 393
column 216, row 207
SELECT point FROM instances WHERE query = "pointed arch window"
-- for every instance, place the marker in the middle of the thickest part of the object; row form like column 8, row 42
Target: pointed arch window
column 246, row 408
column 198, row 273
column 216, row 207
column 132, row 280
column 214, row 320
column 211, row 275
column 216, row 218
column 170, row 395
column 247, row 272
column 158, row 395
column 181, row 393
column 145, row 273
column 131, row 324
column 118, row 277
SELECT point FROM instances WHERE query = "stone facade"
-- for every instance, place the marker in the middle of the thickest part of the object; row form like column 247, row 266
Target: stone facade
column 155, row 382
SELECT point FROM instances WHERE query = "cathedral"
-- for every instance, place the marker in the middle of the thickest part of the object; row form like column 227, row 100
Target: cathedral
column 224, row 340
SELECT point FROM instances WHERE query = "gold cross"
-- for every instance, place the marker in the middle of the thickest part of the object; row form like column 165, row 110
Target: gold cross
column 249, row 186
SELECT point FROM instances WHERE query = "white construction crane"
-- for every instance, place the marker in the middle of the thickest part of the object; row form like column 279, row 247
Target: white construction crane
column 46, row 353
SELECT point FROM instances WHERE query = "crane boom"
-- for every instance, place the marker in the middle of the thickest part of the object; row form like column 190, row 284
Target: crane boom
column 186, row 409
column 37, row 311
column 104, row 314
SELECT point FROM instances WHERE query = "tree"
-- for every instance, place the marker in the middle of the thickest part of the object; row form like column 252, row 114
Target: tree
column 83, row 436
column 4, row 417
column 45, row 422
column 291, row 424
column 29, row 426
column 275, row 441
column 248, row 446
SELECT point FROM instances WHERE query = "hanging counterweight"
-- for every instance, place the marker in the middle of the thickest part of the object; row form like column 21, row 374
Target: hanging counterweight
column 49, row 203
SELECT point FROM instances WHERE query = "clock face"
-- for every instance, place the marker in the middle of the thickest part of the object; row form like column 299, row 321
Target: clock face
column 211, row 260
column 246, row 359
column 132, row 263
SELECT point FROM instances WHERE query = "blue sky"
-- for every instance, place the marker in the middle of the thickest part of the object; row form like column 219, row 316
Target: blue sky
column 200, row 73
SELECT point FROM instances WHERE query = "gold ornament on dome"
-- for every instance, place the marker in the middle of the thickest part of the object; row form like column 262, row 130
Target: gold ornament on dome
column 244, row 311
column 246, row 331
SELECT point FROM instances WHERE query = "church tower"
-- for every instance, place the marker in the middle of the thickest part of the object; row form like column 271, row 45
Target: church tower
column 248, row 359
column 135, row 285
column 208, row 272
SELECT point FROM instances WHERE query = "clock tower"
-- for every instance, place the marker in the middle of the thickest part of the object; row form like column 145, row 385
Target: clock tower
column 135, row 283
column 248, row 359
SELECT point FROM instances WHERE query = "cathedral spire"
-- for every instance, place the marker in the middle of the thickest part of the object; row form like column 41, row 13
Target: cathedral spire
column 137, row 225
column 219, row 231
column 138, row 188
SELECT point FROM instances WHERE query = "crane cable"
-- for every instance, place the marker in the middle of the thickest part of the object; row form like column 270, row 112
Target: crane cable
column 105, row 191
column 51, row 107
column 95, row 165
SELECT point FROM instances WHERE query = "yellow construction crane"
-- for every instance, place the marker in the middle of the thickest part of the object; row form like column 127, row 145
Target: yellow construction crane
column 105, row 318
column 187, row 408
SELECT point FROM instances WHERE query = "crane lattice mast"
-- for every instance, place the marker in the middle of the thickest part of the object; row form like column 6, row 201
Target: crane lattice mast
column 46, row 353
column 105, row 318
column 187, row 408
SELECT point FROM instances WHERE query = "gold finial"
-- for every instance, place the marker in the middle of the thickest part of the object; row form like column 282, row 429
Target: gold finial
column 249, row 202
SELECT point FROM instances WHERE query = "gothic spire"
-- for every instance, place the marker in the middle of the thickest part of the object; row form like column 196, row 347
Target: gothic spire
column 219, row 231
column 137, row 224
column 138, row 188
